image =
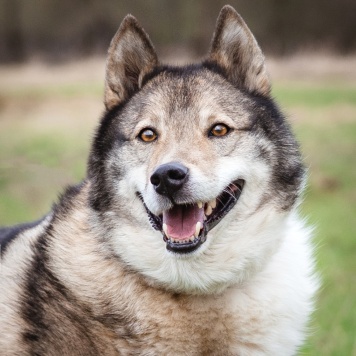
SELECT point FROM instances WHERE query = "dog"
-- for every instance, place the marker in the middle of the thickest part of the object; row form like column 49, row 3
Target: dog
column 184, row 238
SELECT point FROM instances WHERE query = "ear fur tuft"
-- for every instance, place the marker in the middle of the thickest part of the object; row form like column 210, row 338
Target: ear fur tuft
column 130, row 57
column 236, row 51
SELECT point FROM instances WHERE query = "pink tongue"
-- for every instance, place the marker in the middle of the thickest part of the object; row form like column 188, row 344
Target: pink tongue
column 181, row 220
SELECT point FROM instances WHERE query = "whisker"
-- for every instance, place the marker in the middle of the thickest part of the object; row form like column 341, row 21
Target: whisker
column 231, row 194
column 235, row 186
column 219, row 200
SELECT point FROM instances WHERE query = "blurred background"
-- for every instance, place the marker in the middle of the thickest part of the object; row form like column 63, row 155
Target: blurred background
column 52, row 59
column 59, row 30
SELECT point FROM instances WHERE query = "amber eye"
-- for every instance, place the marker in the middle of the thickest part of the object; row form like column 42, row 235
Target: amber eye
column 147, row 135
column 219, row 130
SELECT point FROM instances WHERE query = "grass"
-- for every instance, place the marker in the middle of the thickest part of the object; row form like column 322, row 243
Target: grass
column 64, row 90
column 44, row 141
column 315, row 96
column 327, row 132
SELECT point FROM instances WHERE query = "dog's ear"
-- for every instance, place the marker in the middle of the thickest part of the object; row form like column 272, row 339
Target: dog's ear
column 235, row 50
column 130, row 57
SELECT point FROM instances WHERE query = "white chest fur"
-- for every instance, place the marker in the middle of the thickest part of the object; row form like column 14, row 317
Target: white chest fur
column 265, row 316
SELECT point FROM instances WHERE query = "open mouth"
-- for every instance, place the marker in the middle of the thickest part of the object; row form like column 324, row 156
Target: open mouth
column 185, row 226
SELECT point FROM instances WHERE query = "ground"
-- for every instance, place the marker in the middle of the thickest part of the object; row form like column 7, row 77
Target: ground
column 47, row 118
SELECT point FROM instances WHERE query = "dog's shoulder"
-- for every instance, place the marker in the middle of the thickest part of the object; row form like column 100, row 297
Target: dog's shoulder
column 10, row 234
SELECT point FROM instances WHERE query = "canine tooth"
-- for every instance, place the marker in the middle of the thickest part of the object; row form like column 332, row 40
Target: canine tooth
column 200, row 204
column 165, row 229
column 191, row 238
column 205, row 217
column 208, row 210
column 212, row 203
column 197, row 229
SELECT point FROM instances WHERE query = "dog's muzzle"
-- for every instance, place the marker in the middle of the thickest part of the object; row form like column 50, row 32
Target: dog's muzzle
column 185, row 226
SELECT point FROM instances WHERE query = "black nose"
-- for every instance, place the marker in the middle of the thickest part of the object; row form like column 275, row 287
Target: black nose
column 168, row 178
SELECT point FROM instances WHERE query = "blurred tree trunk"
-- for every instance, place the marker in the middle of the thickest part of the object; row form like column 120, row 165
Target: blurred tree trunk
column 13, row 36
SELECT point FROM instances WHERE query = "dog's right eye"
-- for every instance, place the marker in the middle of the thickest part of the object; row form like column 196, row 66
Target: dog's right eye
column 219, row 130
column 147, row 135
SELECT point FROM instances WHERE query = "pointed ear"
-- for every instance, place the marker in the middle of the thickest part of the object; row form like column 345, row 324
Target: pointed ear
column 130, row 57
column 236, row 51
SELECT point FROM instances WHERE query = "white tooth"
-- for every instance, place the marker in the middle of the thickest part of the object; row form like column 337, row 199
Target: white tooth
column 165, row 229
column 205, row 217
column 191, row 238
column 208, row 210
column 200, row 204
column 212, row 203
column 197, row 229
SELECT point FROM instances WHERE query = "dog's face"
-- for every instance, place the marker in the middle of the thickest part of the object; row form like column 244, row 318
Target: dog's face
column 193, row 169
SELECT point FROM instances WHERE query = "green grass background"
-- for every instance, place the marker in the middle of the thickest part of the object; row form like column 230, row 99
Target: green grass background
column 44, row 147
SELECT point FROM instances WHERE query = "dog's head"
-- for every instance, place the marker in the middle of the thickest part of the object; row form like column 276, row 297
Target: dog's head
column 193, row 169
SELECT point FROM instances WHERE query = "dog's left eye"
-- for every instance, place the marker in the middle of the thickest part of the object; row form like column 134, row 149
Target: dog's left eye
column 219, row 130
column 147, row 135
